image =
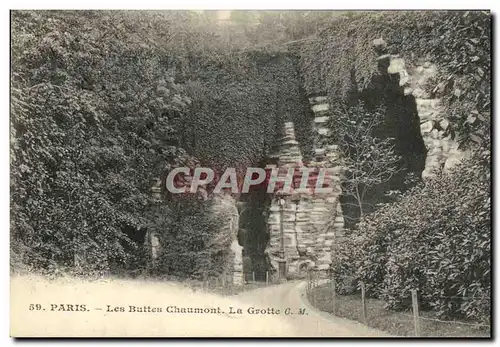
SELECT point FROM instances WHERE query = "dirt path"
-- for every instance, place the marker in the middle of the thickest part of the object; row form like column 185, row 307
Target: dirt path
column 70, row 307
column 313, row 322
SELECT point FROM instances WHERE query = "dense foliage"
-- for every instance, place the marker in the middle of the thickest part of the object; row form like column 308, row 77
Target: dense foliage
column 91, row 123
column 436, row 239
column 194, row 243
column 236, row 116
column 104, row 101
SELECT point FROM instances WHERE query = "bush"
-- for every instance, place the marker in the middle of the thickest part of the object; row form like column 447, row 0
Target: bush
column 91, row 122
column 193, row 240
column 435, row 239
column 98, row 110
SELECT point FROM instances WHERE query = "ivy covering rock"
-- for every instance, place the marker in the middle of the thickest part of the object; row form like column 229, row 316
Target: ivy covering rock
column 105, row 103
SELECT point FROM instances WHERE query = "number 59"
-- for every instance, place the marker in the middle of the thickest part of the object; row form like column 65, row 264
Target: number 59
column 35, row 307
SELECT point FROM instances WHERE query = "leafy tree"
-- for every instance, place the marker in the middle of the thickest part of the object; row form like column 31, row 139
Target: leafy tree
column 369, row 161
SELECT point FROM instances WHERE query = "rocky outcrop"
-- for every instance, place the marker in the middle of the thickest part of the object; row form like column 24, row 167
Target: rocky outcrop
column 281, row 221
column 224, row 209
column 303, row 228
column 443, row 151
column 325, row 211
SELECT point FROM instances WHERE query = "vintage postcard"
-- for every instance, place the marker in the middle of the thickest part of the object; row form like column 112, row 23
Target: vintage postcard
column 229, row 173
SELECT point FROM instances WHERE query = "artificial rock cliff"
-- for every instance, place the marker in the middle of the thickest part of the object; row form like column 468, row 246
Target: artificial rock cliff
column 225, row 211
column 303, row 231
column 443, row 151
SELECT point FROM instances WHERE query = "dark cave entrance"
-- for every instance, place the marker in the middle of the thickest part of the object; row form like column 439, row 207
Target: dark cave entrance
column 135, row 247
column 401, row 123
column 253, row 222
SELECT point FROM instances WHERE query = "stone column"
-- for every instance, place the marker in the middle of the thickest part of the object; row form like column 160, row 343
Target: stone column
column 289, row 150
column 273, row 228
column 305, row 241
column 325, row 211
column 225, row 209
column 320, row 108
column 154, row 242
column 153, row 239
column 307, row 219
column 282, row 219
column 237, row 263
column 236, row 248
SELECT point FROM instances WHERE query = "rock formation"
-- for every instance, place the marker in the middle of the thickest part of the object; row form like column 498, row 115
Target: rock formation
column 325, row 214
column 303, row 228
column 225, row 210
column 443, row 151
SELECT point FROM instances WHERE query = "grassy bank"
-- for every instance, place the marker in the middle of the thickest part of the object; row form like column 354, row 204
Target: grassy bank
column 395, row 323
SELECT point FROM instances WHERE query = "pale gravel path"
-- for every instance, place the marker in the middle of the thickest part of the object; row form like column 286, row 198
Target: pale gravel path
column 315, row 323
column 95, row 320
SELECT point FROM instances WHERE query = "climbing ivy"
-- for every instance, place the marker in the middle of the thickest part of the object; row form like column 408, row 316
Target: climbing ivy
column 103, row 101
column 341, row 59
column 237, row 122
column 91, row 123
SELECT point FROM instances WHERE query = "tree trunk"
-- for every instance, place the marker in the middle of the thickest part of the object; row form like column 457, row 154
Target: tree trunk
column 360, row 202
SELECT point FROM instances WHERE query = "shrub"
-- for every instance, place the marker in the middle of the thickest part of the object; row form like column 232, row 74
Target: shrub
column 435, row 239
column 193, row 241
column 91, row 120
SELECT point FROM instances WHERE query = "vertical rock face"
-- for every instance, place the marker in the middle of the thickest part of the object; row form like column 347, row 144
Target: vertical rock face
column 302, row 229
column 224, row 209
column 237, row 276
column 325, row 212
column 282, row 218
column 152, row 240
column 289, row 154
column 443, row 152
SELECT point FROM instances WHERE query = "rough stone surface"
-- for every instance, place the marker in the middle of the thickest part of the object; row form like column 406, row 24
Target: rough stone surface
column 225, row 209
column 303, row 229
column 380, row 45
column 442, row 148
column 237, row 263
